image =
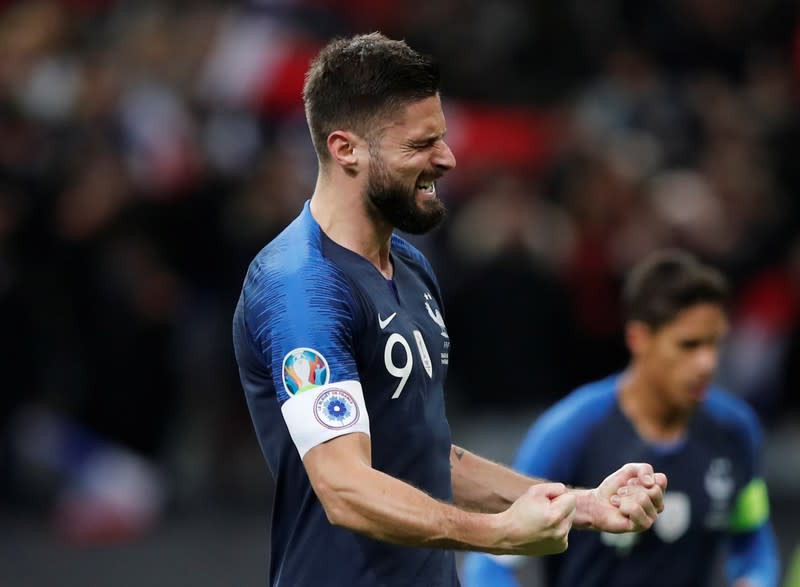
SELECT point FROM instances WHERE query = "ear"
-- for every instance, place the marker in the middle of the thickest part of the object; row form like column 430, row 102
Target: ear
column 637, row 336
column 342, row 147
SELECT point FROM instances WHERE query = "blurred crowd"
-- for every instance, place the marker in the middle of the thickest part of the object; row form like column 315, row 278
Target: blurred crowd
column 148, row 150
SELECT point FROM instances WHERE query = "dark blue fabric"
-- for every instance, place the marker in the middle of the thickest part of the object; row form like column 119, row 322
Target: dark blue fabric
column 305, row 291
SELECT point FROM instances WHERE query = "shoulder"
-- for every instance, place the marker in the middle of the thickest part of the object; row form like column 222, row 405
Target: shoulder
column 292, row 287
column 584, row 406
column 296, row 250
column 293, row 266
column 733, row 413
column 554, row 443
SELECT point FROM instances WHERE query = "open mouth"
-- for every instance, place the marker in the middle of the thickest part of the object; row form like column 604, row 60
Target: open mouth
column 427, row 188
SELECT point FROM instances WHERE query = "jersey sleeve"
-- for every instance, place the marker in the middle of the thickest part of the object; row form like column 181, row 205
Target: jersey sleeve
column 753, row 556
column 302, row 320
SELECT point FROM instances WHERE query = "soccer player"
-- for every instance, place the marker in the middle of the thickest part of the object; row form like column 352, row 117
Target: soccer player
column 343, row 349
column 665, row 410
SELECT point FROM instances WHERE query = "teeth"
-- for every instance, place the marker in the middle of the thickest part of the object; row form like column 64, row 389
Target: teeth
column 426, row 187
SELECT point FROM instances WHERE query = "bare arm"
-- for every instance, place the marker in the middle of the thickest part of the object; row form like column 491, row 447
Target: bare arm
column 482, row 485
column 358, row 497
column 485, row 486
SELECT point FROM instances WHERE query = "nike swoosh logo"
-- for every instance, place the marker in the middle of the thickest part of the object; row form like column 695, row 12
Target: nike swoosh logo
column 384, row 323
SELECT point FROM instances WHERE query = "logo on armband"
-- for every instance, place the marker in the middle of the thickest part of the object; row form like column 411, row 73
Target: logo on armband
column 336, row 409
column 304, row 369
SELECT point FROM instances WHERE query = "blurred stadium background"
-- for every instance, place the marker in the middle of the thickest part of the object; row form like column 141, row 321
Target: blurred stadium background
column 149, row 149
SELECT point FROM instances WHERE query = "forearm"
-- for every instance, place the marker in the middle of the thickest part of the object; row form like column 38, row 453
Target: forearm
column 356, row 496
column 388, row 509
column 382, row 507
column 484, row 486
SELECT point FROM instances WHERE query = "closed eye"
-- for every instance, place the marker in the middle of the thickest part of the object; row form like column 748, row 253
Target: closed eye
column 690, row 344
column 422, row 145
column 427, row 143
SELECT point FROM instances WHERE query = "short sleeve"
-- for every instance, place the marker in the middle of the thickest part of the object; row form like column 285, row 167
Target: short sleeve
column 302, row 319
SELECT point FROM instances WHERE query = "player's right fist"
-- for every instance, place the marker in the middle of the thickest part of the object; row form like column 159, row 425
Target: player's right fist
column 539, row 521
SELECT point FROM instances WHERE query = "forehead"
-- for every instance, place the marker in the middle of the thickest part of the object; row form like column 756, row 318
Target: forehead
column 704, row 319
column 416, row 120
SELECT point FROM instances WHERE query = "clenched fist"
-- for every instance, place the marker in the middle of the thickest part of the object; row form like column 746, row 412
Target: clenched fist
column 539, row 521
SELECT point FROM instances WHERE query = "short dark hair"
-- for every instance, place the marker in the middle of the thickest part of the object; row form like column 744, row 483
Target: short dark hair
column 667, row 282
column 353, row 81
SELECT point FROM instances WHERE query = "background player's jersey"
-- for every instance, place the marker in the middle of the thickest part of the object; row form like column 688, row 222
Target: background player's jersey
column 714, row 493
column 327, row 346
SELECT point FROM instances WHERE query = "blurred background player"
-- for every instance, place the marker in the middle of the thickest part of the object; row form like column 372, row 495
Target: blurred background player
column 663, row 409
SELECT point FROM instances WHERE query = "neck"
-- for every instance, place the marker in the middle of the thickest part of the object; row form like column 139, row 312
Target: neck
column 338, row 207
column 653, row 417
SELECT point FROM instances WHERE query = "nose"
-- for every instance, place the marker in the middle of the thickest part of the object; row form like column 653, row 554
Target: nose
column 707, row 360
column 443, row 157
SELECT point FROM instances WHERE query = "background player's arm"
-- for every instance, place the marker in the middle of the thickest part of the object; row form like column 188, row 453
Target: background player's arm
column 482, row 485
column 752, row 559
column 358, row 497
column 752, row 554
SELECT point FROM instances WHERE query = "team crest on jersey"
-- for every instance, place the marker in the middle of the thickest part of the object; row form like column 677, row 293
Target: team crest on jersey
column 673, row 522
column 720, row 485
column 719, row 481
column 304, row 369
column 336, row 409
column 435, row 314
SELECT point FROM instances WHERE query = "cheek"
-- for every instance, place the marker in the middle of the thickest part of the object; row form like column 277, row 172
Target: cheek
column 401, row 174
column 409, row 174
column 670, row 364
column 412, row 166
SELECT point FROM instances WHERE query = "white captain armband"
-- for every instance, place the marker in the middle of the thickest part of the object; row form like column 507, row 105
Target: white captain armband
column 322, row 413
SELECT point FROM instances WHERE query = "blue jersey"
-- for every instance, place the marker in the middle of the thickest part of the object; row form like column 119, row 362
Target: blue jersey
column 327, row 346
column 715, row 495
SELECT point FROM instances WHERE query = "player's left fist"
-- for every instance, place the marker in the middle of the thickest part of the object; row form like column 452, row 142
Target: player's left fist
column 640, row 494
column 637, row 493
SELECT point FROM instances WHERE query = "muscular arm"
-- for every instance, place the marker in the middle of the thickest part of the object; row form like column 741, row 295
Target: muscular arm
column 481, row 485
column 358, row 497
